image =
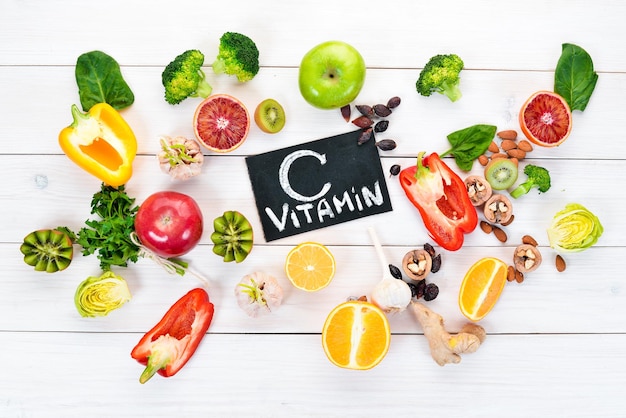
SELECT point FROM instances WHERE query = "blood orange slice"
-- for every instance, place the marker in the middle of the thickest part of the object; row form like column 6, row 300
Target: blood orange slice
column 221, row 123
column 546, row 119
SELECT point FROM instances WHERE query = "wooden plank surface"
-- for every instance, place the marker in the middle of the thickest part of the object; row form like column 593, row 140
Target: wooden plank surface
column 554, row 342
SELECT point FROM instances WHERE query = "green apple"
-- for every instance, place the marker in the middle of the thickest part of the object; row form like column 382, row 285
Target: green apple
column 331, row 75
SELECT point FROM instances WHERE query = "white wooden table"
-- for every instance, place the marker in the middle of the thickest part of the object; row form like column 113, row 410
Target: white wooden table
column 554, row 344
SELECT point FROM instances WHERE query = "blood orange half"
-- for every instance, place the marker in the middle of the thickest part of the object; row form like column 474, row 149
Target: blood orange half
column 221, row 123
column 546, row 119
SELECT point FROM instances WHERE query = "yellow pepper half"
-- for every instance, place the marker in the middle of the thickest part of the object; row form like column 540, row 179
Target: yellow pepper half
column 101, row 142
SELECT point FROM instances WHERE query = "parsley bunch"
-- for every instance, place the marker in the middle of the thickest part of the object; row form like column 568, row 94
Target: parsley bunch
column 109, row 236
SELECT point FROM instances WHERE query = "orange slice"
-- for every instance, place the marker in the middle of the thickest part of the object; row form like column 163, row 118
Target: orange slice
column 356, row 335
column 310, row 266
column 221, row 123
column 546, row 119
column 481, row 287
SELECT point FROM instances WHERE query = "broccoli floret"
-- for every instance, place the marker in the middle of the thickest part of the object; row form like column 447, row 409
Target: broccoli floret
column 238, row 56
column 183, row 77
column 441, row 75
column 538, row 177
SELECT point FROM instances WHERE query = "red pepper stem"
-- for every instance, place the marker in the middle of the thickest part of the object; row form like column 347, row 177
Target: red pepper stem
column 421, row 170
column 158, row 360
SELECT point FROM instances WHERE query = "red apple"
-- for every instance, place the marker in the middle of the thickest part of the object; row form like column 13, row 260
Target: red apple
column 169, row 223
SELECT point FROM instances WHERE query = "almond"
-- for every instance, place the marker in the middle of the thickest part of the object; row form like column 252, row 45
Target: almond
column 493, row 147
column 527, row 239
column 516, row 153
column 508, row 134
column 498, row 155
column 524, row 145
column 510, row 273
column 483, row 160
column 508, row 144
column 519, row 276
column 560, row 263
column 509, row 221
column 500, row 234
column 486, row 227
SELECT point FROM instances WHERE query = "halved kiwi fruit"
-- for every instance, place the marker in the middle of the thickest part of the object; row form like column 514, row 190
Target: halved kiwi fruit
column 233, row 236
column 501, row 173
column 269, row 116
column 48, row 250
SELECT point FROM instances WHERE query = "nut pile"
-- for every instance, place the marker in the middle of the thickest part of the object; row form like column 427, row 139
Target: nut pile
column 372, row 120
column 417, row 264
column 497, row 208
column 526, row 258
column 508, row 147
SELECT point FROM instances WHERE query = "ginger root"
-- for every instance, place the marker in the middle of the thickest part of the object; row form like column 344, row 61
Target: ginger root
column 445, row 347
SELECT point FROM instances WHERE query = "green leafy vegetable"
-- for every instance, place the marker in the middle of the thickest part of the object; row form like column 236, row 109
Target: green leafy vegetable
column 109, row 236
column 574, row 77
column 97, row 296
column 538, row 177
column 470, row 143
column 574, row 229
column 441, row 74
column 100, row 80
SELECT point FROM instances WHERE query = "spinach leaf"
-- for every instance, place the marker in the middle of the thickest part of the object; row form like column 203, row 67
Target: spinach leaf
column 100, row 80
column 574, row 77
column 470, row 143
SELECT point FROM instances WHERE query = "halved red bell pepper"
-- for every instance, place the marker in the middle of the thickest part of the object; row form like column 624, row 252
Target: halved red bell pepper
column 166, row 348
column 441, row 198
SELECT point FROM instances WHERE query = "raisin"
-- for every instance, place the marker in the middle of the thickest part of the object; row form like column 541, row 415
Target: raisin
column 365, row 136
column 386, row 144
column 395, row 272
column 436, row 263
column 393, row 102
column 395, row 169
column 429, row 249
column 430, row 292
column 365, row 110
column 363, row 122
column 345, row 112
column 381, row 126
column 382, row 110
column 417, row 289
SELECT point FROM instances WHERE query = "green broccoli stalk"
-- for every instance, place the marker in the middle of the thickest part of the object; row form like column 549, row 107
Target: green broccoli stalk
column 238, row 56
column 441, row 75
column 538, row 177
column 183, row 77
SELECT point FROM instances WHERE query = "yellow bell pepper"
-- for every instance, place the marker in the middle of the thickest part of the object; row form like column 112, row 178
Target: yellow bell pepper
column 101, row 142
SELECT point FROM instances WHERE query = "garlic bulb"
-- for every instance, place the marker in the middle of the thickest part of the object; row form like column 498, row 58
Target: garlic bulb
column 258, row 294
column 390, row 294
column 180, row 157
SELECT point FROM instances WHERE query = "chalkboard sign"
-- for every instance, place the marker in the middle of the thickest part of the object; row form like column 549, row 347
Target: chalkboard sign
column 317, row 184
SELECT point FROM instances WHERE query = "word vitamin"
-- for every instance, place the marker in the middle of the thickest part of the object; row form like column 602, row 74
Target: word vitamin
column 310, row 213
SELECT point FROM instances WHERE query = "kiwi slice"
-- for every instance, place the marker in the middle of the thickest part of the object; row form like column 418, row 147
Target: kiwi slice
column 269, row 116
column 501, row 173
column 233, row 236
column 48, row 250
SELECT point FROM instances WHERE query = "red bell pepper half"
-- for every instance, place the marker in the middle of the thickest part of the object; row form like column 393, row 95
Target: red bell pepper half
column 169, row 344
column 442, row 200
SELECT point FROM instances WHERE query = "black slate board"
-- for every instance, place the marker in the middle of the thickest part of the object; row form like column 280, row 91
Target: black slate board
column 317, row 184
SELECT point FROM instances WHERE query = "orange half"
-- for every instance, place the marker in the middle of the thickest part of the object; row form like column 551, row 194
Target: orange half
column 356, row 335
